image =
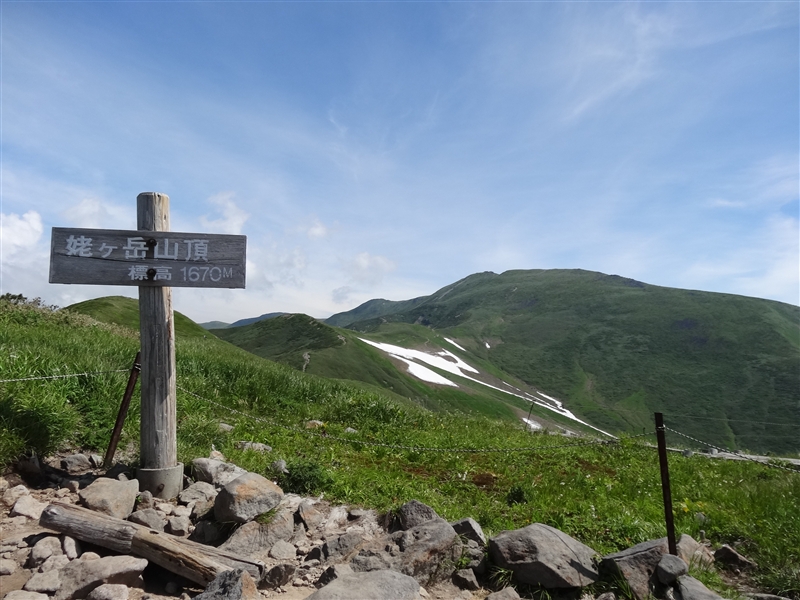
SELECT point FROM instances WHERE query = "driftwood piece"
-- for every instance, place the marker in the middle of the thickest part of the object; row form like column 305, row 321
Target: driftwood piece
column 118, row 535
column 163, row 549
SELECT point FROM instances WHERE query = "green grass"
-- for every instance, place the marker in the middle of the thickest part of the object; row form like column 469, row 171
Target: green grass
column 607, row 496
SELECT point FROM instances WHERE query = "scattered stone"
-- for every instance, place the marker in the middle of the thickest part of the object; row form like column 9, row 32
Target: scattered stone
column 110, row 591
column 282, row 550
column 29, row 507
column 465, row 579
column 200, row 490
column 145, row 500
column 386, row 585
column 476, row 557
column 76, row 463
column 46, row 582
column 690, row 588
column 210, row 533
column 508, row 593
column 246, row 497
column 542, row 555
column 231, row 585
column 25, row 595
column 90, row 556
column 80, row 577
column 309, row 515
column 415, row 513
column 333, row 572
column 607, row 596
column 729, row 557
column 96, row 460
column 111, row 497
column 350, row 430
column 7, row 566
column 693, row 552
column 254, row 446
column 254, row 539
column 181, row 511
column 73, row 485
column 470, row 529
column 178, row 526
column 280, row 575
column 216, row 472
column 149, row 517
column 356, row 513
column 342, row 548
column 314, row 424
column 44, row 549
column 670, row 568
column 637, row 565
column 279, row 466
column 165, row 507
column 225, row 427
column 11, row 495
column 55, row 562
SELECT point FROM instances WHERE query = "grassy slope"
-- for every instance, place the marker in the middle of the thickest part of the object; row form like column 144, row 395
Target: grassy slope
column 722, row 367
column 124, row 311
column 606, row 496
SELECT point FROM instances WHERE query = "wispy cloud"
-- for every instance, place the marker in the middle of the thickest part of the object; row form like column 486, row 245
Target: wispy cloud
column 231, row 218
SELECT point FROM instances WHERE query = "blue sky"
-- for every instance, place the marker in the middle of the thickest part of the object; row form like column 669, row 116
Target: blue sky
column 386, row 149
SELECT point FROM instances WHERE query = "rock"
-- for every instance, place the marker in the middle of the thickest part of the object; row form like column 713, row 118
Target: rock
column 73, row 486
column 254, row 539
column 149, row 517
column 109, row 591
column 246, row 497
column 44, row 549
column 356, row 513
column 254, row 446
column 110, row 496
column 670, row 568
column 178, row 526
column 7, row 566
column 765, row 597
column 314, row 424
column 508, row 593
column 386, row 585
column 202, row 508
column 691, row 589
column 55, row 562
column 90, row 556
column 96, row 460
column 470, row 529
column 637, row 565
column 231, row 585
column 216, row 472
column 607, row 596
column 279, row 466
column 199, row 490
column 48, row 581
column 465, row 579
column 76, row 463
column 28, row 506
column 475, row 556
column 415, row 513
column 171, row 588
column 342, row 548
column 427, row 552
column 729, row 557
column 29, row 465
column 331, row 573
column 350, row 430
column 80, row 577
column 11, row 495
column 280, row 575
column 542, row 555
column 165, row 507
column 282, row 550
column 310, row 515
column 145, row 500
column 225, row 427
column 693, row 552
column 24, row 595
column 71, row 547
column 210, row 533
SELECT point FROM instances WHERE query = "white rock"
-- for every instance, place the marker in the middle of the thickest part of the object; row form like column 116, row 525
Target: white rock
column 25, row 595
column 165, row 507
column 7, row 566
column 11, row 495
column 48, row 581
column 71, row 547
column 80, row 577
column 28, row 506
column 110, row 591
column 44, row 549
column 55, row 562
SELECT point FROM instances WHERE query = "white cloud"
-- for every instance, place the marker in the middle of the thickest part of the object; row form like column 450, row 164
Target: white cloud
column 342, row 294
column 317, row 230
column 367, row 269
column 99, row 214
column 231, row 219
column 19, row 234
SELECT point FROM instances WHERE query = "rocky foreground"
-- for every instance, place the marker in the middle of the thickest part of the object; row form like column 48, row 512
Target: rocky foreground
column 80, row 532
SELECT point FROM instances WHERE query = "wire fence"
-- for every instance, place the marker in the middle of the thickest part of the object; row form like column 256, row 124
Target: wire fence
column 456, row 450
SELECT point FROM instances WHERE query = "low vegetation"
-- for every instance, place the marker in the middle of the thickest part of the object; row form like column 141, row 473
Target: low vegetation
column 606, row 495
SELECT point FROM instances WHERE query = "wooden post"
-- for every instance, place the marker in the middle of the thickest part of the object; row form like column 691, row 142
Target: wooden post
column 159, row 472
column 665, row 489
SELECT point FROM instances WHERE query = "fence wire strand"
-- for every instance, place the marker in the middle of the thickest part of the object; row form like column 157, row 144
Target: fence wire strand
column 743, row 456
column 327, row 436
column 42, row 377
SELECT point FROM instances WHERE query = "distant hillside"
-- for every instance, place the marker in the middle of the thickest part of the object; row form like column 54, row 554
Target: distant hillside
column 125, row 311
column 240, row 322
column 723, row 367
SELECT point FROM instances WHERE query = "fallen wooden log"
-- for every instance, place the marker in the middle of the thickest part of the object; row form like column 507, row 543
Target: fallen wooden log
column 196, row 562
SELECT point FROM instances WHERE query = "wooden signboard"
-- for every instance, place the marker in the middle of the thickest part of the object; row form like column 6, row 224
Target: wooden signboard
column 147, row 258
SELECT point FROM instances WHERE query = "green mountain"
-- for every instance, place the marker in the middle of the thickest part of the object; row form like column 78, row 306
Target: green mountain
column 723, row 368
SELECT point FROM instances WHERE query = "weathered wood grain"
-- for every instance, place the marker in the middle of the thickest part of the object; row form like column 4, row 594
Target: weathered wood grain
column 162, row 549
